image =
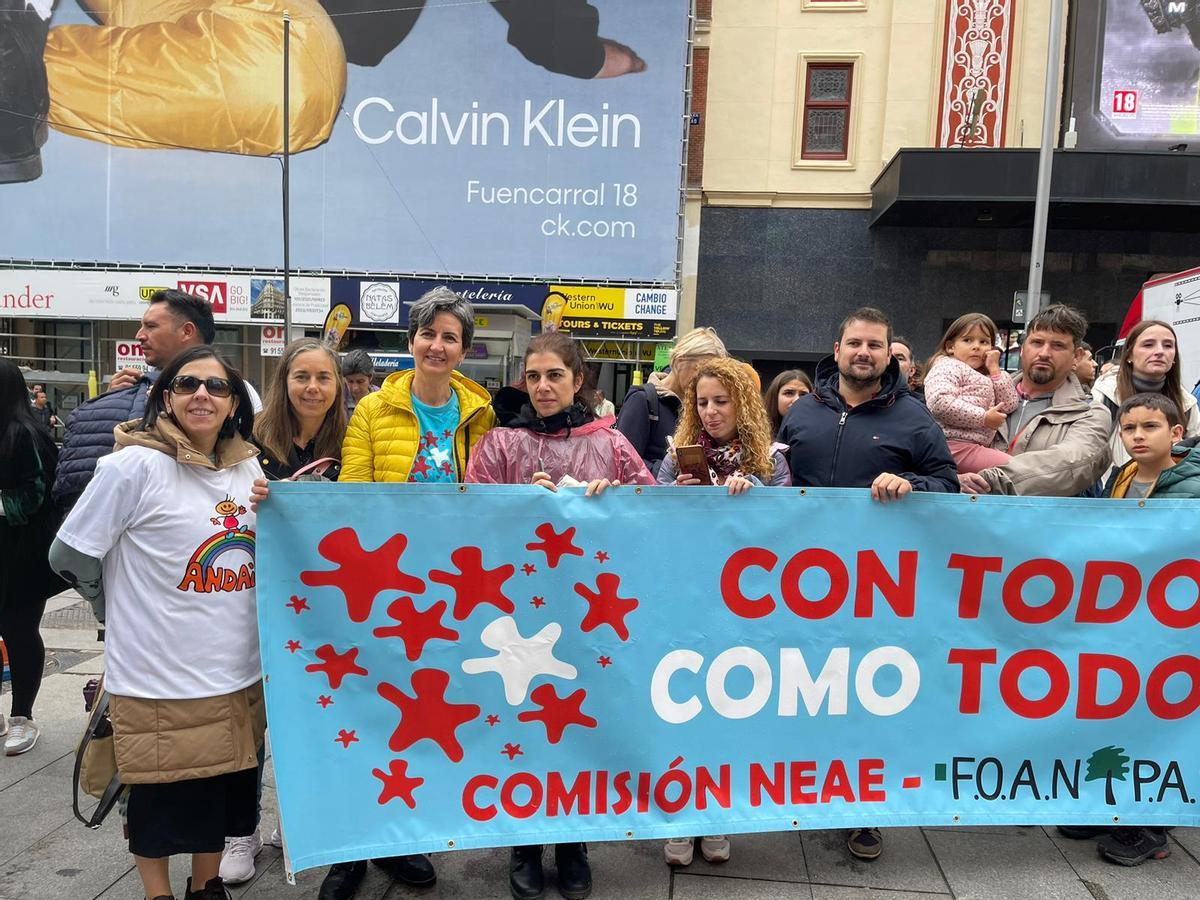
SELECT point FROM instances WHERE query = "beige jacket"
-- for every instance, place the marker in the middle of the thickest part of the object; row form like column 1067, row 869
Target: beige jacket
column 163, row 741
column 1059, row 453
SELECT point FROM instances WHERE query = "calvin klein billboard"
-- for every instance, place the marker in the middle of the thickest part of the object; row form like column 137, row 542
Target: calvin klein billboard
column 538, row 139
column 1134, row 78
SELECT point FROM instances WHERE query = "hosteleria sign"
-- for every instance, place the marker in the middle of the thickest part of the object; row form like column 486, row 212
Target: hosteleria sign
column 524, row 667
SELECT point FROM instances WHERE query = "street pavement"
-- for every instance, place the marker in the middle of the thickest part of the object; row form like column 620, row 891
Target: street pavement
column 45, row 854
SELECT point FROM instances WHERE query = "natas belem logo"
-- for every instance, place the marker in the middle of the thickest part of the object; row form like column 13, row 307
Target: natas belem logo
column 380, row 302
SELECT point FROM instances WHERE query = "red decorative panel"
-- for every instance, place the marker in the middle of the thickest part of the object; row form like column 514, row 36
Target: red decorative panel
column 976, row 65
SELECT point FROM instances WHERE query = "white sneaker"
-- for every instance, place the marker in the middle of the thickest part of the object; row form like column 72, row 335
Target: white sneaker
column 678, row 851
column 22, row 735
column 237, row 862
column 715, row 848
column 275, row 840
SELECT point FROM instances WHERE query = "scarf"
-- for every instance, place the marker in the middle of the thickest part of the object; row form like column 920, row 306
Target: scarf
column 724, row 460
column 1152, row 386
column 571, row 417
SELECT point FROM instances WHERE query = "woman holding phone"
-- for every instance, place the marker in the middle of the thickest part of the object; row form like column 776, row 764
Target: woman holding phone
column 724, row 436
column 551, row 437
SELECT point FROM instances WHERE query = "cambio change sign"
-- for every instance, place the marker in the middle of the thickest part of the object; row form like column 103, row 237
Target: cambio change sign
column 553, row 152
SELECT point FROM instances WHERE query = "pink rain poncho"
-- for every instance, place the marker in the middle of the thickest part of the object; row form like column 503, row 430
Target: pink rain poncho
column 591, row 451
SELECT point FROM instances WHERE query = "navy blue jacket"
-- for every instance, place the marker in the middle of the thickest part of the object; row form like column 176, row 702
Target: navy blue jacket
column 833, row 445
column 90, row 436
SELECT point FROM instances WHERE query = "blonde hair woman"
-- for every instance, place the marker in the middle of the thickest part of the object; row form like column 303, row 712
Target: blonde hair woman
column 650, row 411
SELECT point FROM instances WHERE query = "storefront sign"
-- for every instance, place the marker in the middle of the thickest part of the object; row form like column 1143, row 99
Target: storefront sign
column 631, row 329
column 92, row 294
column 272, row 341
column 131, row 356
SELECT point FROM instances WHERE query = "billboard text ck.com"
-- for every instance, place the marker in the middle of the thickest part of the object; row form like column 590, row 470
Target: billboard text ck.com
column 538, row 139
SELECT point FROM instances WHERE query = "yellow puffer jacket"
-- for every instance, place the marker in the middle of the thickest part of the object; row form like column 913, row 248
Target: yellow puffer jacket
column 381, row 440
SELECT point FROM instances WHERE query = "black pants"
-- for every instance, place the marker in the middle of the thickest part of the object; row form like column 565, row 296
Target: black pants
column 20, row 627
column 559, row 35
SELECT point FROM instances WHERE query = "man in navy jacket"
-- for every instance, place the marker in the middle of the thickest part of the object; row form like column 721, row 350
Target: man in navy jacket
column 861, row 427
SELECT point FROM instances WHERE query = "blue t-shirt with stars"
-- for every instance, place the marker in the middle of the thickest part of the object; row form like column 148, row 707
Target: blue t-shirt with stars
column 434, row 461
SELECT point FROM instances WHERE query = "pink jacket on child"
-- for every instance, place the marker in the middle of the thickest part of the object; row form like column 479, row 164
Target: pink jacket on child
column 959, row 396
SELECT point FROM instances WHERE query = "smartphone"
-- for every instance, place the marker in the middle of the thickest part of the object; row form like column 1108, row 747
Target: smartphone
column 690, row 458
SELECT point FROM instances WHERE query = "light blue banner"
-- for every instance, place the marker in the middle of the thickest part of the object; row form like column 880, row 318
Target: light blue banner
column 454, row 667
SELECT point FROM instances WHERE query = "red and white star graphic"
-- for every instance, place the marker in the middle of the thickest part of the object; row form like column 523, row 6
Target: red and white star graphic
column 473, row 584
column 605, row 607
column 416, row 628
column 361, row 575
column 325, row 701
column 293, row 646
column 427, row 714
column 397, row 784
column 346, row 738
column 605, row 662
column 557, row 712
column 298, row 604
column 554, row 544
column 512, row 751
column 528, row 568
column 602, row 557
column 537, row 602
column 493, row 720
column 336, row 666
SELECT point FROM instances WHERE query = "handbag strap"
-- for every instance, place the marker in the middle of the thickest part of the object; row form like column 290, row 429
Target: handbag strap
column 316, row 467
column 113, row 791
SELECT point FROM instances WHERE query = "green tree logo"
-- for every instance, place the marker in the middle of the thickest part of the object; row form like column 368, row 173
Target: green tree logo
column 1108, row 763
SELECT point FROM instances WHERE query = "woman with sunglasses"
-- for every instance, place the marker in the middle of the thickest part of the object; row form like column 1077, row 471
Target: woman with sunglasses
column 162, row 543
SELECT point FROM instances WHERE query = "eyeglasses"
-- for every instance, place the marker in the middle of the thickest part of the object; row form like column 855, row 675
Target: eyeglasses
column 189, row 384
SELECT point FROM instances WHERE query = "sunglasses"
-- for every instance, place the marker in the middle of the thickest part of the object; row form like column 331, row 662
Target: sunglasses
column 189, row 384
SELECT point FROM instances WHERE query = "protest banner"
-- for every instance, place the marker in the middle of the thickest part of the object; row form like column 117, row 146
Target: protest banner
column 474, row 666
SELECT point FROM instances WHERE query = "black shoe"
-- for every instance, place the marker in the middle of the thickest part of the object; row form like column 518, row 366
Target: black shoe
column 213, row 890
column 1084, row 832
column 24, row 92
column 574, row 873
column 526, row 879
column 865, row 843
column 1133, row 846
column 415, row 870
column 342, row 880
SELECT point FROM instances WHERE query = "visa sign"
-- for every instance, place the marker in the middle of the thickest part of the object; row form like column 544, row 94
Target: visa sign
column 215, row 292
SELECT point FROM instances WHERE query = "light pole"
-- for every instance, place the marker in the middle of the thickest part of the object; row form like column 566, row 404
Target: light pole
column 1041, row 204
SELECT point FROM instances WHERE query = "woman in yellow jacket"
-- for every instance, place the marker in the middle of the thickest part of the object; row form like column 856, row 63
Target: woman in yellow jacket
column 422, row 427
column 423, row 424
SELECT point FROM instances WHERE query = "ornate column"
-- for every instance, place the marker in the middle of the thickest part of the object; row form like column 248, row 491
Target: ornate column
column 975, row 69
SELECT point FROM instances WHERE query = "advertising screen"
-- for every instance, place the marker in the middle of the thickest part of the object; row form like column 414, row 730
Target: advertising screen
column 1136, row 74
column 538, row 139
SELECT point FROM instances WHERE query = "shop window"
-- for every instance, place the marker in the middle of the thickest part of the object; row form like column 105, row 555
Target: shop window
column 827, row 111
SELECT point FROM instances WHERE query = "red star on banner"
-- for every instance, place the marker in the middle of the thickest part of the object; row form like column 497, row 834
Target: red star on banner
column 336, row 666
column 602, row 557
column 537, row 602
column 293, row 646
column 325, row 700
column 428, row 715
column 416, row 628
column 553, row 544
column 362, row 574
column 528, row 569
column 604, row 662
column 493, row 720
column 397, row 783
column 512, row 751
column 346, row 738
column 474, row 584
column 298, row 604
column 557, row 712
column 605, row 607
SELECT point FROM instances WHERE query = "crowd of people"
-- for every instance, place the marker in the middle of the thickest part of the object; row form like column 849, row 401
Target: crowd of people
column 194, row 439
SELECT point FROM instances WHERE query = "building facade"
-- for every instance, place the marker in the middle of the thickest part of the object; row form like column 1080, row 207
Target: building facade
column 811, row 108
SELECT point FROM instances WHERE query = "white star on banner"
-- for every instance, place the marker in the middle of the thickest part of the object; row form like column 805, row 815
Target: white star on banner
column 519, row 660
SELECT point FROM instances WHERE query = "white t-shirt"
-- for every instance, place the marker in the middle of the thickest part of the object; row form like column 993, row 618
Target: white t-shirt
column 178, row 548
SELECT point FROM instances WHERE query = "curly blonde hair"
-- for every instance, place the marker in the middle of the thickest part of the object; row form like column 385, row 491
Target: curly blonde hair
column 753, row 428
